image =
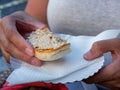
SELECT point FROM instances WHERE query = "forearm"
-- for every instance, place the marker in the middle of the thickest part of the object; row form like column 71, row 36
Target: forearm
column 38, row 9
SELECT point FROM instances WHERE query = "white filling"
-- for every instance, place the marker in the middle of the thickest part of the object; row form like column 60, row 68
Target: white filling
column 44, row 39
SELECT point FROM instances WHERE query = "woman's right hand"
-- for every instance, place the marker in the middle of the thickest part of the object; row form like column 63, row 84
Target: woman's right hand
column 13, row 30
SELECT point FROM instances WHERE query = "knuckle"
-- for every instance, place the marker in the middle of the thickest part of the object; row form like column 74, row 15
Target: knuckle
column 96, row 45
column 7, row 47
column 97, row 48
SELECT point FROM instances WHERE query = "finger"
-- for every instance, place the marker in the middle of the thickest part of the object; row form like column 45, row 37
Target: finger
column 10, row 49
column 6, row 55
column 14, row 37
column 105, row 74
column 27, row 19
column 35, row 61
column 100, row 47
column 23, row 21
column 5, row 43
column 15, row 52
column 22, row 56
column 21, row 43
column 27, row 27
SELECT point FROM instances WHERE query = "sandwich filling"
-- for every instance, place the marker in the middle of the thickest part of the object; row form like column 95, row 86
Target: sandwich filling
column 46, row 40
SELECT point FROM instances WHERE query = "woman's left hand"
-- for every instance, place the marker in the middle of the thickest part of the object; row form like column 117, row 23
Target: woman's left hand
column 108, row 76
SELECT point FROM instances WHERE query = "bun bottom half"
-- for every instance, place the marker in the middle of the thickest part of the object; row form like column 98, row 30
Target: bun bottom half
column 51, row 55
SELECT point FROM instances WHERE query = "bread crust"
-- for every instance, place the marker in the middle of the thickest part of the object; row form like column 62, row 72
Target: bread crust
column 52, row 54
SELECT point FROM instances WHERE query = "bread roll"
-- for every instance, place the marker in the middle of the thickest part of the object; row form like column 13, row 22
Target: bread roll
column 48, row 46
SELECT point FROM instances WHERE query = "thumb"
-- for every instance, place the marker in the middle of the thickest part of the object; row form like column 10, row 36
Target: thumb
column 29, row 19
column 26, row 23
column 98, row 49
column 24, row 27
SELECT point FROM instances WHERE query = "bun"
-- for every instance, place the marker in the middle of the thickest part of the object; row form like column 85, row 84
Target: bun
column 48, row 46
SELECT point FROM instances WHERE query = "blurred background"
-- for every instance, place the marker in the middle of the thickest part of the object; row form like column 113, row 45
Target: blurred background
column 9, row 6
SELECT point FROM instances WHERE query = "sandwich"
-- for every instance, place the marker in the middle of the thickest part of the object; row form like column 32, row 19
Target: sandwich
column 48, row 46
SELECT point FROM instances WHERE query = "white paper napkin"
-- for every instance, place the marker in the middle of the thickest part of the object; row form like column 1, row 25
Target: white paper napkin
column 70, row 68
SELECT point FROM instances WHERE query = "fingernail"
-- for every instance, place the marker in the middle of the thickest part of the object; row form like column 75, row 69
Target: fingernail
column 29, row 52
column 36, row 62
column 87, row 55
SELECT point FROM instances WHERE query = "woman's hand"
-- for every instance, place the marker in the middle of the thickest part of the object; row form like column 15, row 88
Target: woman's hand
column 108, row 76
column 13, row 29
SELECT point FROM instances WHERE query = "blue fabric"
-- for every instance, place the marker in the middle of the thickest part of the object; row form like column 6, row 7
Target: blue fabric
column 101, row 87
column 75, row 86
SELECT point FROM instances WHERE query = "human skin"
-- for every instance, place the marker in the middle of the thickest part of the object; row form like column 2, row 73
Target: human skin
column 15, row 27
column 108, row 76
column 13, row 31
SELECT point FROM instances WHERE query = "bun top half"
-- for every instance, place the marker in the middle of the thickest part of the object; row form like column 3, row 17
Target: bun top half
column 43, row 39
